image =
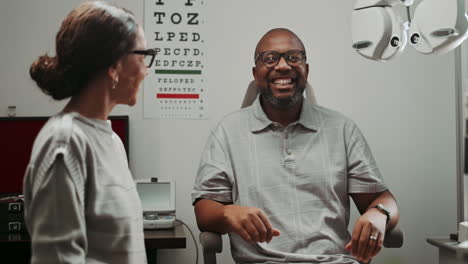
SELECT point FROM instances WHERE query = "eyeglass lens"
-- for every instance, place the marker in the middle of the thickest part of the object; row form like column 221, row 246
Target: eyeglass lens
column 148, row 60
column 148, row 56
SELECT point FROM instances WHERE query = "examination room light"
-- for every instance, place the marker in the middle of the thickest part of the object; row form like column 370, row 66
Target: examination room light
column 379, row 32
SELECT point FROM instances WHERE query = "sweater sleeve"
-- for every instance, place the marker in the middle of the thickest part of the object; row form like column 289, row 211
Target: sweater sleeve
column 55, row 215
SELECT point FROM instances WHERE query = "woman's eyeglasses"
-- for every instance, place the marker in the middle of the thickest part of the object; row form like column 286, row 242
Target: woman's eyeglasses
column 149, row 56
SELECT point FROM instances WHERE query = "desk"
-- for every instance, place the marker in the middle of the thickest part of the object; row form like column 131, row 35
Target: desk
column 160, row 239
column 18, row 246
column 449, row 253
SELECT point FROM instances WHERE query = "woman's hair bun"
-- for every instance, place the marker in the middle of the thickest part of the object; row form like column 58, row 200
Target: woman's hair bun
column 50, row 78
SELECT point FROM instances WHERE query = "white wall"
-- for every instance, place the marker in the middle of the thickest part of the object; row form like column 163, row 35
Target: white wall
column 404, row 107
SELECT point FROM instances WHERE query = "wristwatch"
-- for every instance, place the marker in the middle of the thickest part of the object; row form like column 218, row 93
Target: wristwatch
column 384, row 210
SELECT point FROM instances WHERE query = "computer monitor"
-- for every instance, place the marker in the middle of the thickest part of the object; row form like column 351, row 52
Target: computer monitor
column 17, row 135
column 158, row 197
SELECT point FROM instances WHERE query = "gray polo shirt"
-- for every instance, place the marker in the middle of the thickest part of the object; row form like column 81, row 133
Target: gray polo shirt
column 299, row 175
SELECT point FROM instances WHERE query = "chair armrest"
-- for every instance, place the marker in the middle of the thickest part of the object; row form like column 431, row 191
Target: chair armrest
column 394, row 238
column 211, row 244
column 211, row 241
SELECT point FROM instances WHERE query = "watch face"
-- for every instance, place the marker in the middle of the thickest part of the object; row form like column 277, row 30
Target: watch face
column 381, row 207
column 384, row 210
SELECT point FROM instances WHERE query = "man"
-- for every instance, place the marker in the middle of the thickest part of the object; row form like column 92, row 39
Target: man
column 277, row 176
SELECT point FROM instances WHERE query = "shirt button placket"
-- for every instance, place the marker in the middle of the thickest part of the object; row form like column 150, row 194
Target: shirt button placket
column 289, row 161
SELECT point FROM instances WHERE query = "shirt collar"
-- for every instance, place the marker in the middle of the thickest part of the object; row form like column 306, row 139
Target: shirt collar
column 260, row 121
column 308, row 116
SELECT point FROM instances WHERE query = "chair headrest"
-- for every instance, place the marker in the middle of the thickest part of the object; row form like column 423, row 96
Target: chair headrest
column 252, row 92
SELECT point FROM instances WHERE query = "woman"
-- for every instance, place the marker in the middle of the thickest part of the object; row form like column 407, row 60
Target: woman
column 81, row 205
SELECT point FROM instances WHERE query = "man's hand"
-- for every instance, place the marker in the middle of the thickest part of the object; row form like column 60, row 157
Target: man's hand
column 250, row 223
column 368, row 235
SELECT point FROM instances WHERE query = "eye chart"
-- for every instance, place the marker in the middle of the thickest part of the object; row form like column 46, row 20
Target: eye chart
column 174, row 86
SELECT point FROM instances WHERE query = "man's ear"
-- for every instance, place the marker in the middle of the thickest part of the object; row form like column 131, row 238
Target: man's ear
column 254, row 73
column 307, row 70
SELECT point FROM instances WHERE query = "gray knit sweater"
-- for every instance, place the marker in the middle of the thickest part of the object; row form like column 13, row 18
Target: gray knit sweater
column 81, row 204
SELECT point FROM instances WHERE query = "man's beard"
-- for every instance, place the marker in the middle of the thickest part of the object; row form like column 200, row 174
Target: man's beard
column 282, row 103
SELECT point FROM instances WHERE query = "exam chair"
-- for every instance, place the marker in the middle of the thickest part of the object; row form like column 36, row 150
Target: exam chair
column 212, row 243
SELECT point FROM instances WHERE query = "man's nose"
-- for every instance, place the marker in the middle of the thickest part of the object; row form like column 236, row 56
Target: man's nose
column 282, row 64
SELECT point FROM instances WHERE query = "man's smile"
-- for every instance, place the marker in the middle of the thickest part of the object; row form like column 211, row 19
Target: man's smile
column 283, row 84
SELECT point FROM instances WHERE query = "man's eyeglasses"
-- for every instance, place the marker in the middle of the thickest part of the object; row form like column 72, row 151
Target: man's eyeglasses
column 271, row 58
column 149, row 56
